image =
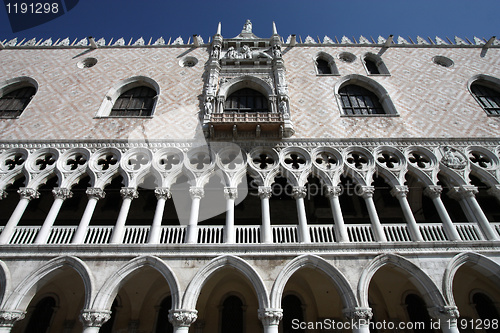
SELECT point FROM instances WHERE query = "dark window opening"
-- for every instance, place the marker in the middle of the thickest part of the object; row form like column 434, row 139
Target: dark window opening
column 488, row 98
column 107, row 327
column 232, row 315
column 162, row 323
column 246, row 100
column 292, row 312
column 357, row 100
column 371, row 66
column 135, row 102
column 42, row 316
column 417, row 311
column 14, row 103
column 323, row 67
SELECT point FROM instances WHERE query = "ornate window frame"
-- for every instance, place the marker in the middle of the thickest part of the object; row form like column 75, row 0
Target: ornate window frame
column 121, row 87
column 11, row 85
column 331, row 63
column 371, row 85
column 487, row 81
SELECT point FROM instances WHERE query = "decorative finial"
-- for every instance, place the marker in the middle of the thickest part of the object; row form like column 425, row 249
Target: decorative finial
column 219, row 29
column 275, row 31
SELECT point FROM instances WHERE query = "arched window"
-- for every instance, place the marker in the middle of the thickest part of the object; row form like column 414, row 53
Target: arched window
column 323, row 67
column 162, row 323
column 374, row 65
column 246, row 100
column 357, row 100
column 135, row 102
column 485, row 309
column 232, row 315
column 487, row 97
column 14, row 103
column 42, row 316
column 292, row 313
column 417, row 313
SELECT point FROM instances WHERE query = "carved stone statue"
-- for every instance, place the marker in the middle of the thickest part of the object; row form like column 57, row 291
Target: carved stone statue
column 277, row 51
column 283, row 106
column 231, row 53
column 247, row 27
column 246, row 52
column 453, row 159
column 208, row 105
column 216, row 52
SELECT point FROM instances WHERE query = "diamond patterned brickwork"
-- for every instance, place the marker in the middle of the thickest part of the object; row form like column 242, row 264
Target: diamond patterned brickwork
column 432, row 101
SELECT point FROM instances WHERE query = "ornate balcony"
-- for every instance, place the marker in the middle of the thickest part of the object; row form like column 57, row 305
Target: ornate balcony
column 246, row 124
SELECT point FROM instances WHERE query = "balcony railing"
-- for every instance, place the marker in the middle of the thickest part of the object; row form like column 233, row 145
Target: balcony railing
column 358, row 233
column 246, row 117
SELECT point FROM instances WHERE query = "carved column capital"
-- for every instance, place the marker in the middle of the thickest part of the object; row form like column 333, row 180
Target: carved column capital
column 196, row 192
column 365, row 191
column 62, row 193
column 463, row 191
column 230, row 193
column 182, row 318
column 28, row 193
column 9, row 317
column 444, row 312
column 270, row 317
column 299, row 192
column 163, row 193
column 94, row 318
column 433, row 191
column 399, row 191
column 95, row 193
column 333, row 191
column 357, row 314
column 129, row 193
column 265, row 192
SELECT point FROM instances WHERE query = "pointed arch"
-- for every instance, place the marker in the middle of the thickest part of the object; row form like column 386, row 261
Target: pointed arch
column 22, row 295
column 312, row 261
column 490, row 268
column 245, row 81
column 203, row 275
column 429, row 290
column 106, row 295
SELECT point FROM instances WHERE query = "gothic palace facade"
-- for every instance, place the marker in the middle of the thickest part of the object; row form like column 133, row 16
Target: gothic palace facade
column 250, row 184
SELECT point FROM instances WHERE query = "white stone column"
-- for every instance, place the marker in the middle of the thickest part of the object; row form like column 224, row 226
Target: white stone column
column 230, row 193
column 192, row 229
column 299, row 193
column 94, row 194
column 266, row 232
column 8, row 318
column 332, row 193
column 447, row 317
column 92, row 320
column 270, row 319
column 182, row 319
column 434, row 192
column 60, row 194
column 26, row 194
column 127, row 193
column 162, row 194
column 359, row 319
column 400, row 192
column 367, row 193
column 467, row 194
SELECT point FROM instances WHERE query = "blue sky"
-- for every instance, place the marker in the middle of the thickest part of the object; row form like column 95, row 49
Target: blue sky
column 166, row 18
